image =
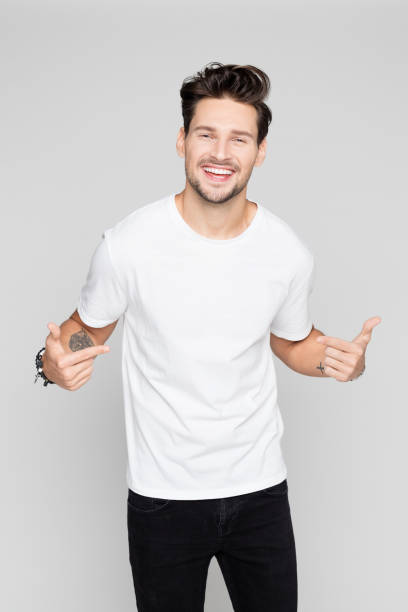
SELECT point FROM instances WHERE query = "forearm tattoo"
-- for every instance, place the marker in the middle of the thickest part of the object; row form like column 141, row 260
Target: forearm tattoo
column 320, row 367
column 80, row 340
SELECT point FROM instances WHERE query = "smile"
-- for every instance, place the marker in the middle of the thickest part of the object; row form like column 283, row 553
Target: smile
column 217, row 175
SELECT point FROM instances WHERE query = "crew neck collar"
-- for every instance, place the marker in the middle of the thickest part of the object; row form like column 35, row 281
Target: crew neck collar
column 187, row 229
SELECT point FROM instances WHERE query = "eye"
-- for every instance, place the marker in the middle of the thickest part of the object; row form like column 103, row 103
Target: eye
column 204, row 135
column 240, row 140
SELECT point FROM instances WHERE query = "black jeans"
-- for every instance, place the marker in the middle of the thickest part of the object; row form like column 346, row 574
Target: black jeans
column 171, row 543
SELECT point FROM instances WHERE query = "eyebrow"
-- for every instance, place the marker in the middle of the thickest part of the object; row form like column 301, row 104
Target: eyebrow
column 211, row 129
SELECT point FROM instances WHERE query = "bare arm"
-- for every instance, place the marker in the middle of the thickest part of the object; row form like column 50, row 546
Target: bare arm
column 70, row 350
column 304, row 356
column 77, row 337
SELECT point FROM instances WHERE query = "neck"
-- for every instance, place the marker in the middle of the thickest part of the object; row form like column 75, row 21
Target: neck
column 220, row 221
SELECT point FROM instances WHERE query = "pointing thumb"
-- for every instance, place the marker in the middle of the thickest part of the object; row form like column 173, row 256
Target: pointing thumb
column 55, row 330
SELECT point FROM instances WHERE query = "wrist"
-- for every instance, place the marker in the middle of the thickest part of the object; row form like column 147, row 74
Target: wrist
column 40, row 368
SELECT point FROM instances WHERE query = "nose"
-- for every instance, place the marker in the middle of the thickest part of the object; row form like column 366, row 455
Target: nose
column 220, row 149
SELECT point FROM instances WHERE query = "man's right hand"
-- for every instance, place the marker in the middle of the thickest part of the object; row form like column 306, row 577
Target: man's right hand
column 69, row 370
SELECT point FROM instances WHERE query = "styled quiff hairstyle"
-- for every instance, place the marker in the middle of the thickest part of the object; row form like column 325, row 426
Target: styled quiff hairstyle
column 241, row 83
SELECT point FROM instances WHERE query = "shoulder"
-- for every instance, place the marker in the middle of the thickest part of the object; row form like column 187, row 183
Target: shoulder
column 290, row 241
column 139, row 226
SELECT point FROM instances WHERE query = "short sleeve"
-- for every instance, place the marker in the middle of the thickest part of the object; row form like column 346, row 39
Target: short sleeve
column 102, row 300
column 293, row 320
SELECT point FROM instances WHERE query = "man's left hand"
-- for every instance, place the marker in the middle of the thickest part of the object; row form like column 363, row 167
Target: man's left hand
column 345, row 360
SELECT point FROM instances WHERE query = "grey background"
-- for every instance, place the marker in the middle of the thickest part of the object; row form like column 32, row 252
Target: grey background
column 90, row 113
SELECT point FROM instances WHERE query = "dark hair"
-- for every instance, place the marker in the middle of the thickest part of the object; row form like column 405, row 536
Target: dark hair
column 241, row 83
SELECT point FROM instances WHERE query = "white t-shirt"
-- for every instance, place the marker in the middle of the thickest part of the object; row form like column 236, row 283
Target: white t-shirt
column 200, row 397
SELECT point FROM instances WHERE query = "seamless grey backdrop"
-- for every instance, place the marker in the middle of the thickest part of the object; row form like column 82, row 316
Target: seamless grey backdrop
column 90, row 114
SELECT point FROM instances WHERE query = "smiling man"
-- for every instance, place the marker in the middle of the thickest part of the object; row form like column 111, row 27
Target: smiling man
column 207, row 282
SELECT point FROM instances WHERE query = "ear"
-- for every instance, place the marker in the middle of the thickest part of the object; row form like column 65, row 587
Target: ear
column 261, row 153
column 180, row 142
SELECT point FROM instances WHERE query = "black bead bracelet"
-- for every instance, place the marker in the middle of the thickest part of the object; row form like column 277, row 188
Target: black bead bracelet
column 39, row 366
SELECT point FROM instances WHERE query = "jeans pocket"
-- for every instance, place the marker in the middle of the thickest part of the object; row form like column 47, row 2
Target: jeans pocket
column 278, row 490
column 143, row 503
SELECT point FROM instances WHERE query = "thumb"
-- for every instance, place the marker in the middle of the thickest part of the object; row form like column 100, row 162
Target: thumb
column 364, row 336
column 55, row 330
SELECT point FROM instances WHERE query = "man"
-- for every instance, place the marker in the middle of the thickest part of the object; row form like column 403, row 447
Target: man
column 208, row 283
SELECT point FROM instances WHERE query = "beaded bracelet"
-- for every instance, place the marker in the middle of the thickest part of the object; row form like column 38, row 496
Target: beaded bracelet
column 39, row 366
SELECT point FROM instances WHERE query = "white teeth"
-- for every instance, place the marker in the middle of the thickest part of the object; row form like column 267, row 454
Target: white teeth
column 218, row 171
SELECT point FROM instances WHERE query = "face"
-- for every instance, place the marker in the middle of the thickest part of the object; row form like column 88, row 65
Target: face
column 222, row 136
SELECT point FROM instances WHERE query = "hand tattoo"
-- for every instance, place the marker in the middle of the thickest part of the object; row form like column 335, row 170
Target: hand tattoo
column 320, row 367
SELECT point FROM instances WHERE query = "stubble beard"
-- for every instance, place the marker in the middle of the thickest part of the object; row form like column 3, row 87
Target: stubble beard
column 214, row 197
